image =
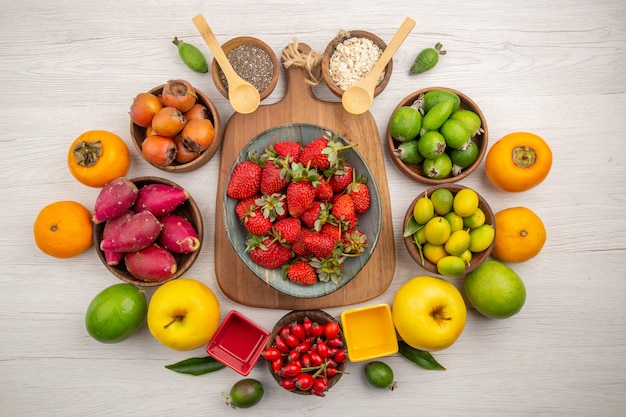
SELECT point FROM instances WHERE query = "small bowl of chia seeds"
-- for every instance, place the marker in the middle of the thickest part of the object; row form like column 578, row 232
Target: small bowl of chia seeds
column 349, row 57
column 253, row 60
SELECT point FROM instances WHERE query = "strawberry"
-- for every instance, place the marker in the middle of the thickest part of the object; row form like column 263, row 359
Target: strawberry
column 324, row 191
column 300, row 272
column 320, row 245
column 288, row 149
column 256, row 223
column 331, row 268
column 268, row 253
column 354, row 242
column 273, row 178
column 332, row 230
column 245, row 181
column 298, row 245
column 273, row 206
column 341, row 178
column 360, row 195
column 312, row 154
column 343, row 209
column 300, row 196
column 287, row 229
column 244, row 206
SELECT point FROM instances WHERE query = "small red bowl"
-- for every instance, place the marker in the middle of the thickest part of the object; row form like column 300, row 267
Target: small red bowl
column 238, row 343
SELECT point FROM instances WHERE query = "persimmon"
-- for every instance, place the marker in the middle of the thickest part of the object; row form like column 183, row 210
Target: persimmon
column 184, row 154
column 198, row 111
column 98, row 156
column 179, row 94
column 168, row 121
column 143, row 109
column 198, row 135
column 63, row 229
column 518, row 162
column 520, row 235
column 159, row 150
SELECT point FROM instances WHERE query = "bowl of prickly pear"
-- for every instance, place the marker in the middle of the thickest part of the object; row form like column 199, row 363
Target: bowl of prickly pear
column 306, row 352
column 302, row 209
column 449, row 230
column 147, row 230
column 437, row 135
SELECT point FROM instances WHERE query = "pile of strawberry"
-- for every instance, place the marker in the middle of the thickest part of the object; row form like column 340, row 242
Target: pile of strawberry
column 300, row 206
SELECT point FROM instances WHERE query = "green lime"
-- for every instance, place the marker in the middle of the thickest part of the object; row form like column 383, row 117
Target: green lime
column 437, row 230
column 465, row 202
column 423, row 210
column 431, row 144
column 433, row 252
column 245, row 393
column 474, row 220
column 436, row 116
column 455, row 133
column 380, row 375
column 495, row 290
column 467, row 257
column 456, row 221
column 463, row 158
column 458, row 242
column 451, row 266
column 433, row 97
column 442, row 201
column 405, row 123
column 470, row 119
column 408, row 152
column 481, row 237
column 439, row 167
column 116, row 313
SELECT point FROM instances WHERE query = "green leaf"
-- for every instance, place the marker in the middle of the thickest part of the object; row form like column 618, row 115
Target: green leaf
column 411, row 227
column 196, row 366
column 419, row 357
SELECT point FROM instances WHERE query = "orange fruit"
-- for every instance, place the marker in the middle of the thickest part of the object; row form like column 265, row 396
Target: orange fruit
column 63, row 229
column 520, row 235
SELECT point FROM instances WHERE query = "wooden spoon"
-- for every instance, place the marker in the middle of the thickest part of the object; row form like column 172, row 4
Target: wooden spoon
column 243, row 96
column 359, row 96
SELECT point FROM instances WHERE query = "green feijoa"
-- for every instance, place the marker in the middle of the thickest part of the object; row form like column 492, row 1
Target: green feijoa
column 463, row 158
column 431, row 144
column 455, row 133
column 439, row 167
column 470, row 119
column 442, row 201
column 433, row 97
column 244, row 393
column 436, row 116
column 191, row 56
column 427, row 59
column 408, row 152
column 456, row 221
column 451, row 266
column 380, row 375
column 405, row 123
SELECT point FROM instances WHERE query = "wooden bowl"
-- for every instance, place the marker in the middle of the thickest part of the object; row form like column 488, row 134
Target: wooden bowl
column 216, row 72
column 416, row 171
column 138, row 135
column 189, row 209
column 330, row 49
column 477, row 258
column 318, row 316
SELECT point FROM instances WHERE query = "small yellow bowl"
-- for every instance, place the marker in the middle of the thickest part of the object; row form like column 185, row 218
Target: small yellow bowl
column 369, row 332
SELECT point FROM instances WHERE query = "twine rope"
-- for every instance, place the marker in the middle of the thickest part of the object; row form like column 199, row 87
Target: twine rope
column 292, row 56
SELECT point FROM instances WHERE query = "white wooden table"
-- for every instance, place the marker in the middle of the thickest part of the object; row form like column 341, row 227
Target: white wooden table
column 553, row 68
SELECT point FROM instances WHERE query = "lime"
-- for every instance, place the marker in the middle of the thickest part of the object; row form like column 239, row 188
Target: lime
column 470, row 119
column 495, row 290
column 458, row 242
column 467, row 257
column 451, row 266
column 455, row 133
column 439, row 167
column 405, row 124
column 245, row 393
column 474, row 220
column 437, row 230
column 465, row 202
column 423, row 210
column 408, row 152
column 456, row 221
column 431, row 144
column 442, row 201
column 434, row 252
column 116, row 313
column 464, row 158
column 380, row 375
column 481, row 237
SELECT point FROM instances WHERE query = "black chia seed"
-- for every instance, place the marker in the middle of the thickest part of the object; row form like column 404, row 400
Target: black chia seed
column 252, row 64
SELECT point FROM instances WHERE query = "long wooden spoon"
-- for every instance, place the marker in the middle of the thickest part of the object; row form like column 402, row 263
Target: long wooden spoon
column 359, row 96
column 243, row 96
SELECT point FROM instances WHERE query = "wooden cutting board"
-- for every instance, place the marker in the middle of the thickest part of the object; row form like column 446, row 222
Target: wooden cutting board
column 300, row 105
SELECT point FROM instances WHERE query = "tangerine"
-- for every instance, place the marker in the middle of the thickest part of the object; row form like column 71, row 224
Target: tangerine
column 63, row 229
column 520, row 235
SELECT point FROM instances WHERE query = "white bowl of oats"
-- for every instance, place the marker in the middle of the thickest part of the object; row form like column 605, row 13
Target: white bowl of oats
column 349, row 57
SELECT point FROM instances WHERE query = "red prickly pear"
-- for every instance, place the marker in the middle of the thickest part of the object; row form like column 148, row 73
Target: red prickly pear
column 138, row 232
column 112, row 228
column 152, row 263
column 178, row 235
column 115, row 198
column 160, row 199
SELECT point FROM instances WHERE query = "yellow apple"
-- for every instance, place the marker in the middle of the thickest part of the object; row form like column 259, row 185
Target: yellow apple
column 183, row 314
column 429, row 313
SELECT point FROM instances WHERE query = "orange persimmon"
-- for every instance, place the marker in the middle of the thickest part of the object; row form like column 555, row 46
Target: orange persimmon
column 159, row 150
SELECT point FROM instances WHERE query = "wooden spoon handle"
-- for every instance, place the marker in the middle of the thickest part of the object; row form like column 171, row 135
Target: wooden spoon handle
column 392, row 47
column 211, row 41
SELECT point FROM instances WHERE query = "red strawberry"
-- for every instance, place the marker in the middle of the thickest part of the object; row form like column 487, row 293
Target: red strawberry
column 300, row 196
column 360, row 195
column 312, row 154
column 256, row 223
column 311, row 214
column 343, row 209
column 332, row 230
column 287, row 148
column 273, row 206
column 270, row 254
column 245, row 180
column 324, row 191
column 298, row 245
column 300, row 272
column 273, row 178
column 354, row 242
column 288, row 229
column 244, row 206
column 341, row 178
column 320, row 245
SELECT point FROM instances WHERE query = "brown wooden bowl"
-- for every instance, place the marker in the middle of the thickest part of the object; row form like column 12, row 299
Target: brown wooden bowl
column 138, row 135
column 330, row 49
column 216, row 72
column 189, row 209
column 477, row 258
column 416, row 171
column 318, row 316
